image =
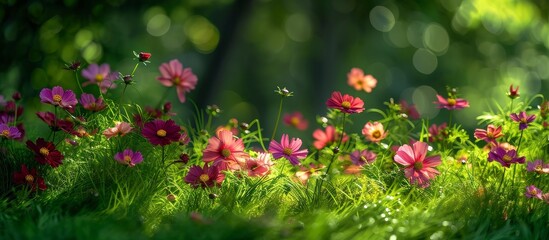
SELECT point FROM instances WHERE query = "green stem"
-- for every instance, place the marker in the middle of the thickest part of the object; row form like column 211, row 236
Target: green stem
column 135, row 68
column 502, row 179
column 164, row 96
column 277, row 117
column 78, row 82
column 520, row 140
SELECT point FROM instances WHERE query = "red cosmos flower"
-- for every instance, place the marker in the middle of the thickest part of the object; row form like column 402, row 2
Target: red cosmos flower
column 54, row 123
column 357, row 79
column 489, row 135
column 173, row 74
column 374, row 132
column 209, row 176
column 29, row 177
column 419, row 169
column 160, row 132
column 224, row 151
column 288, row 149
column 451, row 103
column 45, row 152
column 58, row 97
column 345, row 103
column 296, row 120
column 327, row 137
column 513, row 93
column 144, row 56
column 89, row 102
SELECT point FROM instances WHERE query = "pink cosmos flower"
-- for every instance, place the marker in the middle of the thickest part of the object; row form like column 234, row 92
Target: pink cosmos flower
column 345, row 103
column 120, row 129
column 327, row 137
column 173, row 74
column 258, row 166
column 89, row 102
column 129, row 157
column 357, row 79
column 438, row 133
column 224, row 151
column 209, row 176
column 9, row 132
column 30, row 178
column 374, row 132
column 288, row 149
column 296, row 120
column 533, row 192
column 58, row 97
column 505, row 157
column 100, row 75
column 489, row 135
column 451, row 103
column 537, row 166
column 409, row 110
column 305, row 173
column 523, row 118
column 419, row 169
column 360, row 158
column 160, row 132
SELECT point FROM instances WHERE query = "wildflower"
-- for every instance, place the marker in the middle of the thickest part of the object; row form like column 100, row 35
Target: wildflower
column 374, row 132
column 209, row 176
column 29, row 177
column 45, row 152
column 489, row 135
column 160, row 132
column 173, row 74
column 258, row 166
column 296, row 120
column 58, row 97
column 224, row 151
column 304, row 173
column 288, row 149
column 89, row 102
column 513, row 93
column 100, row 75
column 55, row 123
column 544, row 109
column 357, row 79
column 363, row 157
column 533, row 192
column 505, row 157
column 9, row 132
column 129, row 157
column 437, row 133
column 73, row 66
column 537, row 166
column 232, row 125
column 284, row 92
column 144, row 56
column 327, row 137
column 523, row 119
column 545, row 197
column 345, row 103
column 120, row 129
column 451, row 103
column 16, row 96
column 409, row 110
column 419, row 169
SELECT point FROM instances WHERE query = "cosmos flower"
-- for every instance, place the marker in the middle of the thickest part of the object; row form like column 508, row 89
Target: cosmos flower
column 58, row 97
column 451, row 103
column 120, row 129
column 296, row 120
column 327, row 137
column 357, row 79
column 360, row 158
column 345, row 103
column 409, row 109
column 437, row 133
column 208, row 176
column 55, row 123
column 513, row 93
column 30, row 178
column 304, row 173
column 89, row 102
column 160, row 132
column 45, row 152
column 490, row 134
column 129, row 157
column 505, row 157
column 418, row 168
column 100, row 75
column 533, row 192
column 537, row 166
column 258, row 166
column 225, row 151
column 173, row 74
column 523, row 119
column 288, row 149
column 374, row 132
column 9, row 132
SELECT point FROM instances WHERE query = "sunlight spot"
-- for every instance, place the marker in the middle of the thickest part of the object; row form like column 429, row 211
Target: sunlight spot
column 298, row 27
column 158, row 25
column 436, row 39
column 425, row 61
column 382, row 18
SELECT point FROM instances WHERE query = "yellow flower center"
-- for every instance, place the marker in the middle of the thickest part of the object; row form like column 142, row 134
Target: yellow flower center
column 29, row 178
column 451, row 101
column 57, row 98
column 288, row 151
column 534, row 192
column 507, row 158
column 538, row 168
column 294, row 121
column 99, row 78
column 226, row 153
column 44, row 151
column 346, row 104
column 204, row 177
column 127, row 158
column 5, row 133
column 376, row 134
column 176, row 80
column 418, row 165
column 161, row 133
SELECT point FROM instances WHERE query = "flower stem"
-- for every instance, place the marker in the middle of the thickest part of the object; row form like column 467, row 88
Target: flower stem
column 78, row 82
column 502, row 179
column 277, row 117
column 520, row 140
column 135, row 68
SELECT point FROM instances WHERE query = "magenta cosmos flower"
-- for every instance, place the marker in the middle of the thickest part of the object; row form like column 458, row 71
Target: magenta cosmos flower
column 374, row 132
column 357, row 79
column 9, row 132
column 209, row 176
column 345, row 103
column 45, row 152
column 225, row 151
column 30, row 178
column 100, row 75
column 438, row 133
column 327, row 137
column 55, row 123
column 533, row 192
column 537, row 166
column 419, row 169
column 490, row 134
column 160, row 132
column 523, row 118
column 409, row 109
column 296, row 120
column 451, row 103
column 173, row 74
column 58, row 97
column 360, row 158
column 288, row 149
column 505, row 157
column 129, row 157
column 119, row 129
column 90, row 103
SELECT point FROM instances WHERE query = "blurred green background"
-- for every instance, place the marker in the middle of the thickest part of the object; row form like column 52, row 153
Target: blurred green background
column 241, row 50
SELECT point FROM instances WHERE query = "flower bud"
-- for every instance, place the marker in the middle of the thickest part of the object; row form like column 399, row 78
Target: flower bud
column 144, row 56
